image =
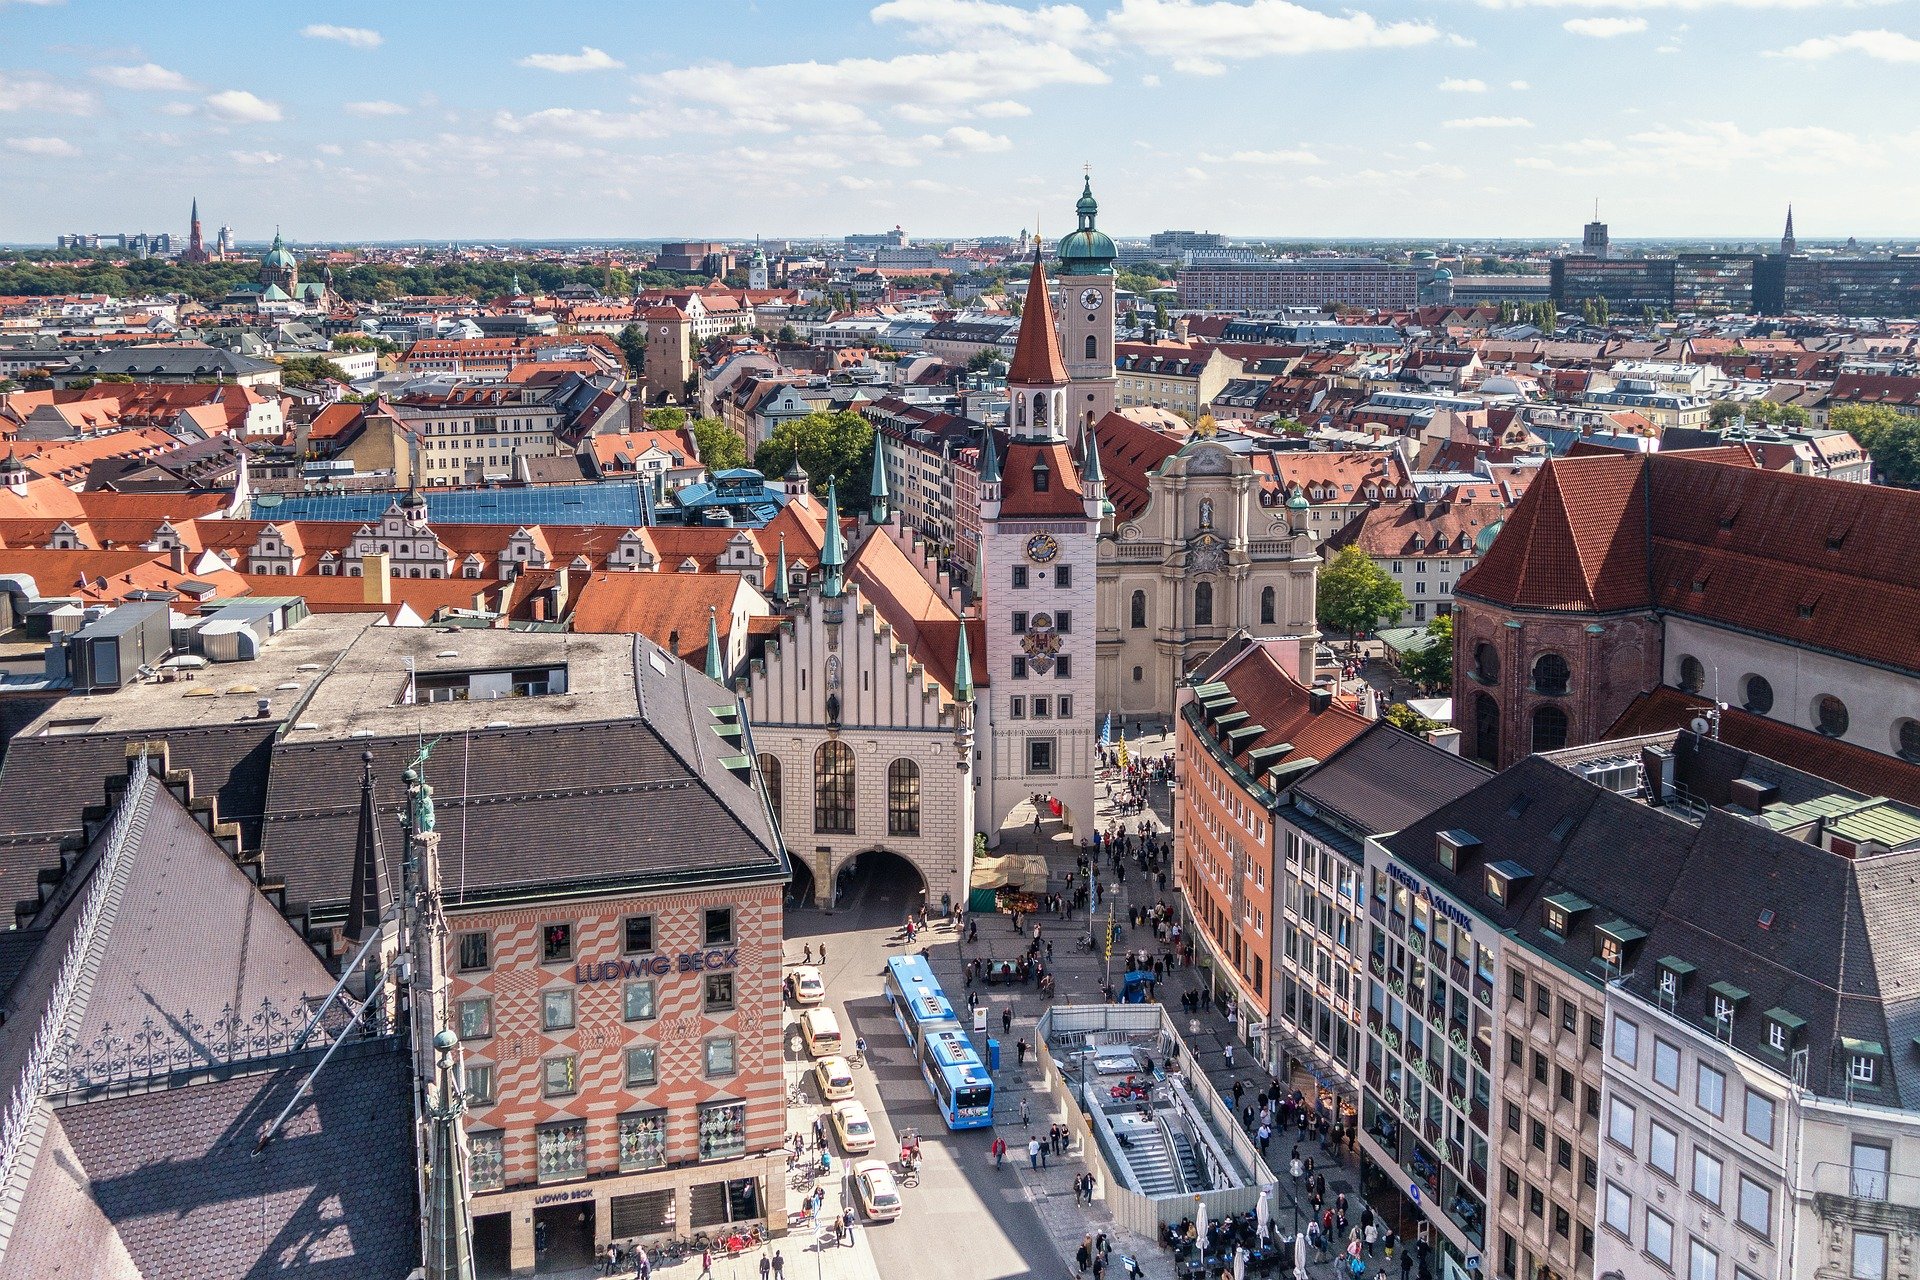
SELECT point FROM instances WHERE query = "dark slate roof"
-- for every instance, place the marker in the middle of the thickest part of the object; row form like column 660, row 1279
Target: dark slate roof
column 641, row 801
column 198, row 362
column 50, row 780
column 166, row 1183
column 1385, row 779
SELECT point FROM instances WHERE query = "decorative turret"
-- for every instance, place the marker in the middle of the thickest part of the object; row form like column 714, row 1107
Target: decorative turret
column 833, row 555
column 716, row 664
column 962, row 668
column 877, row 486
column 1093, row 484
column 779, row 593
column 794, row 482
column 448, row 1245
column 13, row 472
column 365, row 903
column 1086, row 250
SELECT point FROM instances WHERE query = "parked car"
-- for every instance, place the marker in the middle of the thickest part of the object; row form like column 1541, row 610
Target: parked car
column 852, row 1127
column 834, row 1077
column 806, row 986
column 879, row 1197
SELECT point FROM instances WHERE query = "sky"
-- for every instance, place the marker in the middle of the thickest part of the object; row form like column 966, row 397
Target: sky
column 785, row 118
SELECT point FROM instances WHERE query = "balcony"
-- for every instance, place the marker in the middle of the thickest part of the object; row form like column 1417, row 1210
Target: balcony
column 1867, row 1198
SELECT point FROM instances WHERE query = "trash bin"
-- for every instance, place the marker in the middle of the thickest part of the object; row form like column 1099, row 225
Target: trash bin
column 993, row 1054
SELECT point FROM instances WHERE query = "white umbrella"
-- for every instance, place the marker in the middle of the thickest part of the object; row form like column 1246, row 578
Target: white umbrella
column 1300, row 1256
column 1200, row 1225
column 1240, row 1263
column 1260, row 1214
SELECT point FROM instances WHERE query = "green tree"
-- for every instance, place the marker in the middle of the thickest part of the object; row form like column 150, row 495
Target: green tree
column 304, row 371
column 8, row 385
column 1890, row 437
column 1159, row 315
column 1431, row 668
column 982, row 360
column 721, row 448
column 1405, row 718
column 670, row 418
column 365, row 342
column 1357, row 595
column 787, row 334
column 1290, row 426
column 836, row 445
column 633, row 347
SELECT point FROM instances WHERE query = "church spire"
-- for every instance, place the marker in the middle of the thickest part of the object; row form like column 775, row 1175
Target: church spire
column 1788, row 244
column 779, row 592
column 833, row 556
column 962, row 667
column 364, row 906
column 877, row 486
column 716, row 666
column 989, row 461
column 448, row 1251
column 1036, row 353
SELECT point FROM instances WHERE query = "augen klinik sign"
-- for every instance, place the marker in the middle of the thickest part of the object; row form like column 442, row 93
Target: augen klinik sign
column 656, row 966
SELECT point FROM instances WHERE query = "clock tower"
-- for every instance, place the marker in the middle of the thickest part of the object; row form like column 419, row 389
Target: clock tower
column 1040, row 510
column 1086, row 314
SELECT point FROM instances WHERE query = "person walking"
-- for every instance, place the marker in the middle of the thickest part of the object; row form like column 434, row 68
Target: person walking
column 611, row 1260
column 1025, row 1118
column 1083, row 1256
column 766, row 1267
column 1006, row 1021
column 779, row 1266
column 846, row 1218
column 1033, row 1153
column 1370, row 1236
column 1229, row 1053
column 706, row 1262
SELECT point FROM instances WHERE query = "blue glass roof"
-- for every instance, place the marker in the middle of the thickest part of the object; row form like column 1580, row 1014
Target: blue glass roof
column 626, row 504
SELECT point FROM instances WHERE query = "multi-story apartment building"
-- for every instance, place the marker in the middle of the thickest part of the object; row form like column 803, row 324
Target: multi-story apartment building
column 1174, row 376
column 1423, row 546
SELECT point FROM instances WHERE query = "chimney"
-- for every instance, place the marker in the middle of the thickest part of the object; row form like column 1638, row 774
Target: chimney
column 1319, row 700
column 376, row 581
column 1656, row 774
column 562, row 583
column 1182, row 330
column 177, row 557
column 539, row 606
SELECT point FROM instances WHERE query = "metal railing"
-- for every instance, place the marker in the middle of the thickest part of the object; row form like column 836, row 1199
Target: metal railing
column 1836, row 1179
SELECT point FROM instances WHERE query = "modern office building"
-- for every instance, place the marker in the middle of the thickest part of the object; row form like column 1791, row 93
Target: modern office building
column 1274, row 284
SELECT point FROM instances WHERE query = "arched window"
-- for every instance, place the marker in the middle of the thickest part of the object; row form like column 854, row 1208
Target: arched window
column 1139, row 674
column 1830, row 716
column 1549, row 729
column 1756, row 694
column 1486, row 728
column 1137, row 612
column 1020, row 411
column 1266, row 605
column 1486, row 663
column 1203, row 605
column 1040, row 409
column 1093, row 348
column 833, row 789
column 1906, row 739
column 770, row 775
column 903, row 798
column 1693, row 674
column 1551, row 674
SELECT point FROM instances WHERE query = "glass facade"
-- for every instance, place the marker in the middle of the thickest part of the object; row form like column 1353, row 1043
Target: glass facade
column 1323, row 932
column 723, row 1131
column 1429, row 1054
column 643, row 1140
column 486, row 1160
column 561, row 1150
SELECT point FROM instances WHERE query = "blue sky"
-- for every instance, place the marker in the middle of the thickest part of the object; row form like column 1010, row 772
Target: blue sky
column 794, row 117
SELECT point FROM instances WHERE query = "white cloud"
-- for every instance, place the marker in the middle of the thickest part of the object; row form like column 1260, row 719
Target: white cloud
column 604, row 126
column 957, row 21
column 1488, row 122
column 32, row 93
column 1200, row 66
column 1453, row 84
column 254, row 159
column 1518, row 86
column 375, row 108
column 146, row 76
column 1459, row 41
column 588, row 59
column 53, row 148
column 358, row 37
column 1002, row 110
column 1605, row 28
column 177, row 108
column 241, row 107
column 1726, row 147
column 965, row 139
column 1645, row 6
column 836, row 95
column 1882, row 46
column 1150, row 81
column 1213, row 29
column 331, row 149
column 1263, row 157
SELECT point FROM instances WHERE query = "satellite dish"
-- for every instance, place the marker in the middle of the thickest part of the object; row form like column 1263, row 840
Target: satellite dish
column 1700, row 726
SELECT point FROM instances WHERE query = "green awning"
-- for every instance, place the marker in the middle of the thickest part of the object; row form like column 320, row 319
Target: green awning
column 1242, row 732
column 1873, row 1047
column 1791, row 1022
column 1273, row 750
column 1622, row 931
column 1571, row 903
column 1211, row 689
column 1509, row 870
column 1728, row 990
column 1230, row 718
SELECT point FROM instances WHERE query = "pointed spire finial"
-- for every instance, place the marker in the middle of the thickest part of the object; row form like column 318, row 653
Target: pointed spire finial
column 780, row 573
column 364, row 907
column 989, row 460
column 962, row 667
column 716, row 668
column 877, row 486
column 833, row 554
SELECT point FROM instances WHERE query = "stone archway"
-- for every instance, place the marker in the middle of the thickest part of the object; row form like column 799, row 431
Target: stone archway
column 879, row 877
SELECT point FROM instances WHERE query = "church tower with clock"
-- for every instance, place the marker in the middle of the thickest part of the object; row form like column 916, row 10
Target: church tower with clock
column 1040, row 511
column 1086, row 315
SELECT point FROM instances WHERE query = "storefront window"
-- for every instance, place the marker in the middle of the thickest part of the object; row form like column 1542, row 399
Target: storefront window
column 643, row 1140
column 562, row 1150
column 723, row 1131
column 486, row 1158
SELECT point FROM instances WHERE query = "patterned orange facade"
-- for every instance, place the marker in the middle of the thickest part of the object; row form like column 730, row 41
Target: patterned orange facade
column 630, row 1043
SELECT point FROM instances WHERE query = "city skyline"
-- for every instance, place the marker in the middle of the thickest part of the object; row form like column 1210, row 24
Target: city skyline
column 1502, row 119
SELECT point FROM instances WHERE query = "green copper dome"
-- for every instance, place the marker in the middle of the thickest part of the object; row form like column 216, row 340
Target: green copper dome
column 277, row 256
column 1086, row 250
column 1298, row 502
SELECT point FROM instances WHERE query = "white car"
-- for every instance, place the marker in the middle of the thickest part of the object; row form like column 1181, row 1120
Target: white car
column 879, row 1197
column 852, row 1127
column 834, row 1077
column 806, row 986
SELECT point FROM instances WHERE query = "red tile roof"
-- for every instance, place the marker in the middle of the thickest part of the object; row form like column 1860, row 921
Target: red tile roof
column 671, row 609
column 1577, row 541
column 1061, row 497
column 923, row 619
column 1271, row 697
column 1128, row 451
column 1036, row 353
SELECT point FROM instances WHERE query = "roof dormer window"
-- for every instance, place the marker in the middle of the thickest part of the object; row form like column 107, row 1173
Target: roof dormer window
column 1042, row 477
column 1561, row 910
column 1502, row 878
column 1783, row 1030
column 1863, row 1061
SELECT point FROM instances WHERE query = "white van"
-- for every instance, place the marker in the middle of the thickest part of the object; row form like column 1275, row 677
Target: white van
column 821, row 1030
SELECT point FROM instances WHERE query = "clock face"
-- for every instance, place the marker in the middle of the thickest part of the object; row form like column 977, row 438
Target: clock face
column 1090, row 299
column 1041, row 548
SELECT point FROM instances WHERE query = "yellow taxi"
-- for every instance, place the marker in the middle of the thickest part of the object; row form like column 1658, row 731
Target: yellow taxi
column 852, row 1127
column 834, row 1078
